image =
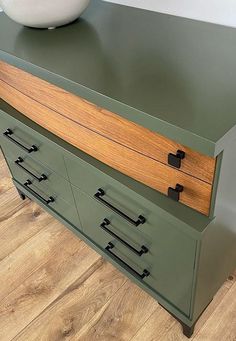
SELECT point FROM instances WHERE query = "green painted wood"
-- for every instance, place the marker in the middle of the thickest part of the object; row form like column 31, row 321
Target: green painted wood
column 53, row 184
column 217, row 258
column 171, row 255
column 215, row 185
column 173, row 75
column 79, row 232
column 139, row 198
column 46, row 154
column 64, row 208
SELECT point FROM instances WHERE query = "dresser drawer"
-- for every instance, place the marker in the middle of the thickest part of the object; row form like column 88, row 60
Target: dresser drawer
column 45, row 179
column 18, row 139
column 154, row 246
column 108, row 124
column 27, row 168
column 196, row 194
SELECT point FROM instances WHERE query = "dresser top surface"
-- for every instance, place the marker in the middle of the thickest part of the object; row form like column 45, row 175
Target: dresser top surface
column 175, row 76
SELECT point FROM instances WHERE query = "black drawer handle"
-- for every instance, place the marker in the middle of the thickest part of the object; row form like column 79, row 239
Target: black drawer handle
column 100, row 193
column 106, row 223
column 8, row 134
column 174, row 193
column 48, row 201
column 175, row 159
column 145, row 273
column 19, row 162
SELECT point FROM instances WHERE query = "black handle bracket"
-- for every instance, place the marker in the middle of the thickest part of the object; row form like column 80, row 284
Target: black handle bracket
column 145, row 273
column 175, row 159
column 99, row 196
column 174, row 193
column 40, row 178
column 139, row 253
column 8, row 134
column 48, row 201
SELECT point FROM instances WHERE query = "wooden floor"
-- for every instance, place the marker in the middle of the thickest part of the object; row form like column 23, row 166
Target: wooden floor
column 53, row 287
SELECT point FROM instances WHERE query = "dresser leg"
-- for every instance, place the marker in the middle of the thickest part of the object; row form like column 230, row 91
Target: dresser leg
column 188, row 331
column 21, row 194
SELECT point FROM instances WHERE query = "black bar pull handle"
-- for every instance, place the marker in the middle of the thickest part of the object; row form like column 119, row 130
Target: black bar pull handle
column 145, row 273
column 48, row 201
column 40, row 178
column 99, row 196
column 106, row 223
column 8, row 134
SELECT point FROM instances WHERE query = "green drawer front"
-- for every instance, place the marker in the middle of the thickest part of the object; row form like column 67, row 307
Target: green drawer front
column 90, row 180
column 61, row 207
column 26, row 137
column 54, row 184
column 170, row 257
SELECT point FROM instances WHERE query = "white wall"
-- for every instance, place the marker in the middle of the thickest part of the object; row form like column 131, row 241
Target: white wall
column 217, row 11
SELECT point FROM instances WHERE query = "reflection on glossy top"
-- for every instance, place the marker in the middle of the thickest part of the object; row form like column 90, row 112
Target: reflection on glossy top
column 173, row 75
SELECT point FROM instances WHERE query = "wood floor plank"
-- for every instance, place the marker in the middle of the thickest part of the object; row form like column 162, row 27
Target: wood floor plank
column 162, row 326
column 20, row 227
column 10, row 201
column 121, row 317
column 30, row 256
column 45, row 285
column 157, row 326
column 219, row 297
column 5, row 182
column 222, row 323
column 76, row 308
column 10, row 204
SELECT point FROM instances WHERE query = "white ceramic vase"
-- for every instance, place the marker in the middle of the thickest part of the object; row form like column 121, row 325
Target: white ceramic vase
column 44, row 13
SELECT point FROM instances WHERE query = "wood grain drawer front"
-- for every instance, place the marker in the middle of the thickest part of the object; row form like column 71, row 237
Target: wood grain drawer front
column 43, row 180
column 196, row 194
column 106, row 123
column 18, row 139
column 169, row 255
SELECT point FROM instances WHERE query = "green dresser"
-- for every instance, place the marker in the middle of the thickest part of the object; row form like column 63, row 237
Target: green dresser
column 131, row 146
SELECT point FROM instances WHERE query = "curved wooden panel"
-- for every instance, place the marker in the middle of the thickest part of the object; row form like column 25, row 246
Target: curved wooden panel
column 196, row 194
column 107, row 124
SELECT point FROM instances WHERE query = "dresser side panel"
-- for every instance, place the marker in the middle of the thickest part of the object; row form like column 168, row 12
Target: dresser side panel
column 218, row 247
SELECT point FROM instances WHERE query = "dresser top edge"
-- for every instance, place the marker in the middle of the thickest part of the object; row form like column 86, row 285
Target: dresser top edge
column 188, row 98
column 175, row 133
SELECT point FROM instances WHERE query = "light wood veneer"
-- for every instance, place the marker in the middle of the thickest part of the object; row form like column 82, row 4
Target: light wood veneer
column 107, row 124
column 196, row 194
